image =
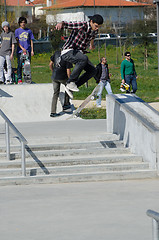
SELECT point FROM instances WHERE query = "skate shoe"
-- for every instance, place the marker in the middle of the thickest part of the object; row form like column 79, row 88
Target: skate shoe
column 72, row 86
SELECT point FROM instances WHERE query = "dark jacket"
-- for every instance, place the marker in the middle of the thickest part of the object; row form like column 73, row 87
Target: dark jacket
column 99, row 72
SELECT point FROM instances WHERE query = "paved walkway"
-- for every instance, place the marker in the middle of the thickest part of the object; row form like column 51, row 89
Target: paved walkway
column 79, row 211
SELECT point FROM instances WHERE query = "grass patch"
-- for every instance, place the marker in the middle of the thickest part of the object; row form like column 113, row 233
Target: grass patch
column 148, row 80
column 93, row 113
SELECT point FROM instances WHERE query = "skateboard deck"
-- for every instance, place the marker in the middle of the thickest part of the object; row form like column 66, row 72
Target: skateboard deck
column 85, row 102
column 26, row 67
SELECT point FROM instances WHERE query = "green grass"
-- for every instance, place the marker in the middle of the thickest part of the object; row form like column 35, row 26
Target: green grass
column 148, row 80
column 93, row 113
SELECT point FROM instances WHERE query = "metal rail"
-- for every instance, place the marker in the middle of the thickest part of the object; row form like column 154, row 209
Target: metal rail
column 155, row 223
column 22, row 140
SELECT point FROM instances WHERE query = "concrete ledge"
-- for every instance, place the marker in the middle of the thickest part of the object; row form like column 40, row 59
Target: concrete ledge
column 136, row 123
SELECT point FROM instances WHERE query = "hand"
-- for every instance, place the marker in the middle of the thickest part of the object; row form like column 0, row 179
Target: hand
column 92, row 47
column 59, row 26
column 123, row 81
column 11, row 56
column 32, row 53
column 24, row 50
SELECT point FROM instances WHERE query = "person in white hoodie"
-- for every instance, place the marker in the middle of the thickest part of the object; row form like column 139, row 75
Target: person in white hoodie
column 6, row 52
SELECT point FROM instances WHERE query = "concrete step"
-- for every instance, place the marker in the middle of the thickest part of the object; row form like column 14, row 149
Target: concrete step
column 79, row 177
column 54, row 139
column 67, row 152
column 72, row 160
column 74, row 169
column 63, row 146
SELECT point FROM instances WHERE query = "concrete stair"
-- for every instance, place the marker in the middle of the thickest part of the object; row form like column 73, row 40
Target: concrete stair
column 73, row 162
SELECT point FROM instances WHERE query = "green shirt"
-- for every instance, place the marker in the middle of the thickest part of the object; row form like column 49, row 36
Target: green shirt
column 127, row 68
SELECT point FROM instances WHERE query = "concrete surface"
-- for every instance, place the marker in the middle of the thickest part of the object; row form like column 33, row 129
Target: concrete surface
column 137, row 124
column 79, row 211
column 29, row 102
column 59, row 131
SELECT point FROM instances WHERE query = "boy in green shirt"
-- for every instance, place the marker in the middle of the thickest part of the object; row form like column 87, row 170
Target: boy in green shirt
column 128, row 73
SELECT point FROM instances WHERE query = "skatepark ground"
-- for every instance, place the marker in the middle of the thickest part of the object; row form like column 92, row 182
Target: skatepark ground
column 111, row 210
column 114, row 210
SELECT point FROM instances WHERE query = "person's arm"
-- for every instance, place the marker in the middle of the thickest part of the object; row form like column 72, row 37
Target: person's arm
column 12, row 53
column 19, row 45
column 32, row 48
column 51, row 66
column 70, row 25
column 122, row 71
column 68, row 72
column 92, row 44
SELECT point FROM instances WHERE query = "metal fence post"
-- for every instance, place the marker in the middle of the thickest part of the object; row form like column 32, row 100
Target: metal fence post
column 7, row 140
column 23, row 159
column 155, row 229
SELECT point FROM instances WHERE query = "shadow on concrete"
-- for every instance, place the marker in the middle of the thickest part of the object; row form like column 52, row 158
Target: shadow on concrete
column 108, row 144
column 33, row 172
column 129, row 98
column 4, row 94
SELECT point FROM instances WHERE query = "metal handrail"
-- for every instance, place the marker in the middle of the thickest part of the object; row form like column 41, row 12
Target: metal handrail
column 22, row 140
column 155, row 223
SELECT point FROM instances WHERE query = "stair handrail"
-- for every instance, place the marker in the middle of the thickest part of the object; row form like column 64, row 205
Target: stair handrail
column 155, row 223
column 22, row 140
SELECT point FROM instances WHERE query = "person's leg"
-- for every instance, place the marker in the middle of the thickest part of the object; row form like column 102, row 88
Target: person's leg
column 108, row 87
column 9, row 70
column 66, row 99
column 56, row 87
column 2, row 60
column 128, row 81
column 134, row 84
column 79, row 59
column 99, row 94
column 19, row 68
column 90, row 72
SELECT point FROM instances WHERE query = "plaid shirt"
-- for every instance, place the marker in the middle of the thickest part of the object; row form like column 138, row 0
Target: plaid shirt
column 80, row 36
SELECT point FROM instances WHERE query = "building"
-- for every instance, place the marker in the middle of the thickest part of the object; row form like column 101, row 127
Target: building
column 116, row 11
column 26, row 8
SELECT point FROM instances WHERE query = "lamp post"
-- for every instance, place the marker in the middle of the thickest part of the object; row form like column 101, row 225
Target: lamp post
column 5, row 9
column 157, row 2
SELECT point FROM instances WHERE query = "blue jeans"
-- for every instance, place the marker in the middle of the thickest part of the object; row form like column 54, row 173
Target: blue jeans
column 81, row 63
column 19, row 68
column 107, row 86
column 131, row 80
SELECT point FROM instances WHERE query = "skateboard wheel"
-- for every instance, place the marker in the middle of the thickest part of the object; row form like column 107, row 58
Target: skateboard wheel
column 92, row 98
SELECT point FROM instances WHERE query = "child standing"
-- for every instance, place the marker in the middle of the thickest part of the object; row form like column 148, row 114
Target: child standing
column 24, row 37
column 6, row 52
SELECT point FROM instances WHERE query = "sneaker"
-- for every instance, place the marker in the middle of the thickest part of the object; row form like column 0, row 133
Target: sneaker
column 1, row 82
column 72, row 86
column 54, row 115
column 69, row 92
column 20, row 81
column 99, row 106
column 66, row 107
column 7, row 82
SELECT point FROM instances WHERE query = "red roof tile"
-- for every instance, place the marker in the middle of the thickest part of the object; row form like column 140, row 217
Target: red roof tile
column 22, row 2
column 87, row 3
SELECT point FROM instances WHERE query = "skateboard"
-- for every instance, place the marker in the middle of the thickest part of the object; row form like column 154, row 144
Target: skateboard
column 124, row 87
column 92, row 96
column 26, row 66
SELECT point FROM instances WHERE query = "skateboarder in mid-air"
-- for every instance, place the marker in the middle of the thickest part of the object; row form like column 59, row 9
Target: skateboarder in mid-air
column 73, row 51
column 24, row 37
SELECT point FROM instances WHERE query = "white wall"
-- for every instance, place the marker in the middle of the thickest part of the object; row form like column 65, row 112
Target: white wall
column 116, row 14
